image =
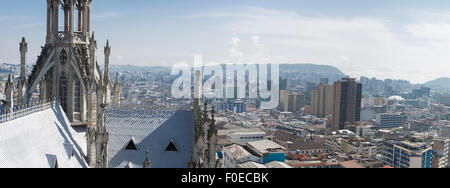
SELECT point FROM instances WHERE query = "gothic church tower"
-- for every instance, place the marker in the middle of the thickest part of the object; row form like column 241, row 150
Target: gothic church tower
column 67, row 71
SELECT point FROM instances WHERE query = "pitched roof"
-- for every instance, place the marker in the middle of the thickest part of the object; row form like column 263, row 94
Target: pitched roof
column 251, row 164
column 155, row 129
column 351, row 164
column 277, row 164
column 297, row 143
column 41, row 140
column 265, row 146
column 236, row 151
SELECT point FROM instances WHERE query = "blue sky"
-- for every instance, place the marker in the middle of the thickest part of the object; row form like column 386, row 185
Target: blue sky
column 400, row 39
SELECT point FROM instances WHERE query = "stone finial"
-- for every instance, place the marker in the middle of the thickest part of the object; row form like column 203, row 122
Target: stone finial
column 9, row 83
column 23, row 45
column 107, row 49
column 107, row 54
column 117, row 81
column 147, row 163
column 93, row 41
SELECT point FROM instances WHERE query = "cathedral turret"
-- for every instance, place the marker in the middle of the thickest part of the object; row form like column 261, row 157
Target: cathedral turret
column 72, row 10
column 9, row 92
column 116, row 101
column 22, row 84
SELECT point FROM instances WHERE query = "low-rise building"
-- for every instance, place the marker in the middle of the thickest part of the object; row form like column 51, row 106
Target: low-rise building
column 267, row 151
column 234, row 155
column 389, row 121
column 440, row 153
column 402, row 154
column 242, row 138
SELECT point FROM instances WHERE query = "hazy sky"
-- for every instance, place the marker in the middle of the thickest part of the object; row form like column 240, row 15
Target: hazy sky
column 400, row 39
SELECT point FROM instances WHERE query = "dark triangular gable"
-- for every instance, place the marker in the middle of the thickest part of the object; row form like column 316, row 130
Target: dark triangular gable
column 172, row 147
column 131, row 145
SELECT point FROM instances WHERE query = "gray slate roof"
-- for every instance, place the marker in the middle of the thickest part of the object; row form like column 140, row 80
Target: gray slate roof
column 41, row 140
column 149, row 128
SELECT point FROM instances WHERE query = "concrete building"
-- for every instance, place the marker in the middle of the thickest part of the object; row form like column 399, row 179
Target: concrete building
column 389, row 121
column 440, row 153
column 405, row 154
column 347, row 103
column 322, row 100
column 234, row 155
column 267, row 151
column 251, row 164
column 445, row 100
column 291, row 101
column 445, row 131
column 242, row 138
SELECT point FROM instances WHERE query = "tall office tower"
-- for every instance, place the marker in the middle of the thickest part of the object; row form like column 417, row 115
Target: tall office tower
column 291, row 101
column 309, row 86
column 347, row 103
column 324, row 81
column 297, row 101
column 322, row 100
column 284, row 100
column 283, row 84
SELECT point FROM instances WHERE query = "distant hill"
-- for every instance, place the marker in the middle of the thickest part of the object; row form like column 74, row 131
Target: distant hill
column 132, row 68
column 310, row 72
column 311, row 68
column 443, row 82
column 297, row 68
column 304, row 72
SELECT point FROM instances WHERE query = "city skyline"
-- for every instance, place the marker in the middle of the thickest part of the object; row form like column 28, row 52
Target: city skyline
column 374, row 39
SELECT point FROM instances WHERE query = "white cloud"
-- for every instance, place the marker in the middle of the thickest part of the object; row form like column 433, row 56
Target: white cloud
column 360, row 46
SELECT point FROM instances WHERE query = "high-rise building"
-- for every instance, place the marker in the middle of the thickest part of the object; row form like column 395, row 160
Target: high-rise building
column 324, row 81
column 322, row 100
column 309, row 86
column 347, row 103
column 283, row 84
column 284, row 100
column 291, row 101
column 297, row 101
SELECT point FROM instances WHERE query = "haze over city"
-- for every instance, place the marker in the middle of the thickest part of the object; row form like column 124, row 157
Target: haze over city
column 238, row 85
column 385, row 39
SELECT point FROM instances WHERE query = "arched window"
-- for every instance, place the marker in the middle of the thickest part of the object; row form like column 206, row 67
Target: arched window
column 63, row 56
column 63, row 91
column 77, row 99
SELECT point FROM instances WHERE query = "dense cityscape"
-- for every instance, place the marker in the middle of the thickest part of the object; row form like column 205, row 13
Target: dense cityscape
column 364, row 122
column 73, row 106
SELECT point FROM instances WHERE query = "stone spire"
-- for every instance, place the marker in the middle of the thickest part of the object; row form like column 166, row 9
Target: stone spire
column 212, row 140
column 147, row 163
column 91, row 133
column 107, row 55
column 22, row 84
column 116, row 101
column 93, row 58
column 9, row 92
column 23, row 54
column 107, row 81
